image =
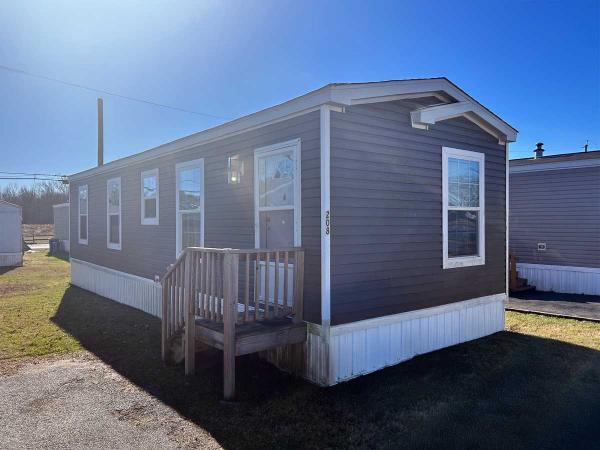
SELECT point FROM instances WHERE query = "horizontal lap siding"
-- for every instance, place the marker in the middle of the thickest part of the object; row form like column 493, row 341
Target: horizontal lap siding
column 147, row 250
column 560, row 208
column 386, row 204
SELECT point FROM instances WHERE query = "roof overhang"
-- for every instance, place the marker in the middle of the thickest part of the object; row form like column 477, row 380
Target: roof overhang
column 455, row 103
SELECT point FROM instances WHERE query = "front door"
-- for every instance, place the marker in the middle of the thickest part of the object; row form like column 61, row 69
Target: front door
column 277, row 196
column 277, row 207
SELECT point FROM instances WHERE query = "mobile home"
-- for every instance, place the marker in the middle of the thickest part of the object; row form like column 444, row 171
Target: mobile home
column 11, row 235
column 365, row 223
column 61, row 225
column 555, row 220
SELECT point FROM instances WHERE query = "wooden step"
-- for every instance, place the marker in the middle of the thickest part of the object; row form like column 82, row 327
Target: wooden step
column 252, row 337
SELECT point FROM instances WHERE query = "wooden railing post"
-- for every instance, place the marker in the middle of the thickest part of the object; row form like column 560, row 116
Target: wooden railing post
column 230, row 292
column 165, row 318
column 299, row 285
column 189, row 315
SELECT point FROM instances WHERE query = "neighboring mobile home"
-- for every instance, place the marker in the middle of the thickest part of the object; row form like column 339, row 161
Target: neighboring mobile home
column 395, row 192
column 11, row 235
column 61, row 225
column 555, row 220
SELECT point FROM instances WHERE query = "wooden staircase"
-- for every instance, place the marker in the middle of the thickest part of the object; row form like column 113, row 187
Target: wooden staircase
column 238, row 301
column 516, row 283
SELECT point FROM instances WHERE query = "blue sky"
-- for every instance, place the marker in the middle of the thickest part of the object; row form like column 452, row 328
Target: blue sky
column 535, row 63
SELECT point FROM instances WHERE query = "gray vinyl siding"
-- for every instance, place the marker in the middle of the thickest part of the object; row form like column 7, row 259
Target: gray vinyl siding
column 560, row 208
column 147, row 250
column 386, row 205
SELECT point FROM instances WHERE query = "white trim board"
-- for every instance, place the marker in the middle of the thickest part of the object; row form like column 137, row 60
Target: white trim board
column 122, row 287
column 326, row 228
column 554, row 165
column 336, row 95
column 563, row 279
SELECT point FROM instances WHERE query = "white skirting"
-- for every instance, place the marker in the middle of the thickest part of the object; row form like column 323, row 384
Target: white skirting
column 11, row 259
column 565, row 279
column 65, row 245
column 359, row 348
column 131, row 290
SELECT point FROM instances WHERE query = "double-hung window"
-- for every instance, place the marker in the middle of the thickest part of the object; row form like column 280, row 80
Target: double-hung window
column 463, row 197
column 190, row 205
column 149, row 197
column 83, row 214
column 113, row 213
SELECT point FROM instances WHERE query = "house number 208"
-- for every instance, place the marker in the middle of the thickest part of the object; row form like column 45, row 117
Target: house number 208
column 327, row 222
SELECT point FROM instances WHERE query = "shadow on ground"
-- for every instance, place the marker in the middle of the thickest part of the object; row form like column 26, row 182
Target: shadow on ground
column 508, row 390
column 555, row 296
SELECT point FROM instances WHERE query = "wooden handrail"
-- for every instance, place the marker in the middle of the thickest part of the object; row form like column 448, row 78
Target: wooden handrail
column 241, row 251
column 204, row 283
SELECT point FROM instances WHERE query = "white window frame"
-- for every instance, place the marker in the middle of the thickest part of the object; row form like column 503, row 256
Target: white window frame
column 83, row 187
column 149, row 220
column 199, row 164
column 112, row 245
column 463, row 261
column 270, row 150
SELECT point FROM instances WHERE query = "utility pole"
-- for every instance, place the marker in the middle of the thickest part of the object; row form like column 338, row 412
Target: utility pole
column 100, row 132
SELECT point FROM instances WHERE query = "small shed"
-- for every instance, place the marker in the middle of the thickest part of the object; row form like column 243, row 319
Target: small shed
column 61, row 225
column 11, row 237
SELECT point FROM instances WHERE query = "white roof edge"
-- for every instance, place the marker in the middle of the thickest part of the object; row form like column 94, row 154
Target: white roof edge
column 60, row 205
column 334, row 94
column 10, row 204
column 554, row 165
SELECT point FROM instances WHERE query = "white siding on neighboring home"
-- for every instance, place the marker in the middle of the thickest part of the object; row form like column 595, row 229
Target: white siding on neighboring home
column 11, row 238
column 61, row 224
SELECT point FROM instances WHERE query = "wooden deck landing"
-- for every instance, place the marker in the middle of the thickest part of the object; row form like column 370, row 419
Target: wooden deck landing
column 252, row 337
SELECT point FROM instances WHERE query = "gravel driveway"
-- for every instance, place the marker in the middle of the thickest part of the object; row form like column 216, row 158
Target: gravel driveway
column 80, row 402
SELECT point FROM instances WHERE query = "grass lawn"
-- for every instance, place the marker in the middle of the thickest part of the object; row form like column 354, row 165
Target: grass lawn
column 535, row 385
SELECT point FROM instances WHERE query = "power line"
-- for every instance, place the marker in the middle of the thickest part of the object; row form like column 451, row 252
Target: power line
column 102, row 91
column 33, row 174
column 30, row 178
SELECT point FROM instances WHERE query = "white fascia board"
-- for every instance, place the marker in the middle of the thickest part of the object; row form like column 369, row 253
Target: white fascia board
column 423, row 117
column 551, row 165
column 334, row 96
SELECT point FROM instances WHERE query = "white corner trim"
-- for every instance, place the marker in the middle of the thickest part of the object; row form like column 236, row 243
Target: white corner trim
column 506, row 209
column 122, row 287
column 564, row 279
column 150, row 220
column 199, row 164
column 464, row 261
column 551, row 165
column 325, row 151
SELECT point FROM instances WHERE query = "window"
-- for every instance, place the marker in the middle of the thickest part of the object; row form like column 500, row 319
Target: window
column 277, row 195
column 149, row 197
column 190, row 205
column 113, row 213
column 83, row 215
column 463, row 197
